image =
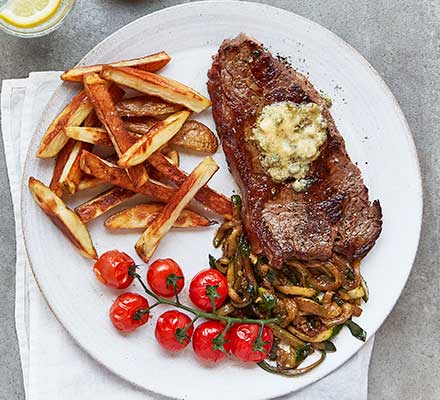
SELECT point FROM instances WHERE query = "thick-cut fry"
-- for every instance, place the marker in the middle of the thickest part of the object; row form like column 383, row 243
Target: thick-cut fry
column 97, row 136
column 158, row 135
column 141, row 125
column 104, row 107
column 152, row 63
column 216, row 202
column 171, row 155
column 88, row 135
column 104, row 170
column 146, row 106
column 60, row 162
column 72, row 173
column 157, row 85
column 92, row 119
column 64, row 218
column 102, row 203
column 89, row 182
column 72, row 115
column 142, row 215
column 150, row 239
column 195, row 136
column 67, row 173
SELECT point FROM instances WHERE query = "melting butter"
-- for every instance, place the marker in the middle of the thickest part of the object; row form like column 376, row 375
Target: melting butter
column 289, row 137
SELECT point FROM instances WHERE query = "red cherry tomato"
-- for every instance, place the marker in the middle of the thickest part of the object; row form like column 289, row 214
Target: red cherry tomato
column 112, row 269
column 168, row 327
column 243, row 337
column 206, row 341
column 205, row 281
column 161, row 275
column 126, row 313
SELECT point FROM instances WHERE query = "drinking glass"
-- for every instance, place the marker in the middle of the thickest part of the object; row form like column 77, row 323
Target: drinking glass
column 3, row 4
column 44, row 28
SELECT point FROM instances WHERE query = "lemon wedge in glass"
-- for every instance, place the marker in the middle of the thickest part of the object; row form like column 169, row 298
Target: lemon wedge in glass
column 29, row 13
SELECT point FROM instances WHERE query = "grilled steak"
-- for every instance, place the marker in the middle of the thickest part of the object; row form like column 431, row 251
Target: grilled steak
column 334, row 215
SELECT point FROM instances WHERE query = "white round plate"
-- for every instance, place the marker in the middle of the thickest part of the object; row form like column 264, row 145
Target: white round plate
column 377, row 137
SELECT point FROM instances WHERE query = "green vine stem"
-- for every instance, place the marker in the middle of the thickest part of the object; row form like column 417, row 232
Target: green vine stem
column 197, row 313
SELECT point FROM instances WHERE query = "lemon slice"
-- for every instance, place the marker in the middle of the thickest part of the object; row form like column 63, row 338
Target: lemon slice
column 29, row 13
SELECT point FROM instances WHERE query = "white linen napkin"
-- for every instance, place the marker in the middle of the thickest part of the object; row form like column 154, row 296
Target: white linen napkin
column 53, row 365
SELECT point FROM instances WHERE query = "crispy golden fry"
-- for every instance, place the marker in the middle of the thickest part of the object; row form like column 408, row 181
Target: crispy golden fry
column 64, row 218
column 97, row 136
column 195, row 136
column 171, row 155
column 72, row 173
column 140, row 125
column 146, row 106
column 106, row 171
column 92, row 119
column 150, row 239
column 89, row 182
column 76, row 173
column 67, row 173
column 157, row 85
column 142, row 215
column 158, row 136
column 152, row 63
column 88, row 135
column 102, row 203
column 104, row 106
column 72, row 115
column 60, row 162
column 214, row 201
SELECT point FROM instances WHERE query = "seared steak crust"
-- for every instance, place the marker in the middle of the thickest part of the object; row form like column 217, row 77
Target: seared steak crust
column 334, row 214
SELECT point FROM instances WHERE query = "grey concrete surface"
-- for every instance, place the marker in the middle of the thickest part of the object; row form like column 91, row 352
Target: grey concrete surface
column 401, row 39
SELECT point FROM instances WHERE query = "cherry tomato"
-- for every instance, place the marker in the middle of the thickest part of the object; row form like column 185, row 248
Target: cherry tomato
column 161, row 277
column 126, row 313
column 208, row 280
column 168, row 328
column 112, row 269
column 243, row 337
column 206, row 341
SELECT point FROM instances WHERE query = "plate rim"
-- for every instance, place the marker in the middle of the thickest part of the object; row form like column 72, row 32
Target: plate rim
column 386, row 90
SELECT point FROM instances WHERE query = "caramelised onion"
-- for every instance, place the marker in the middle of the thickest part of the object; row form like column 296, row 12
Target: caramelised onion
column 321, row 284
column 311, row 307
column 286, row 336
column 328, row 297
column 231, row 242
column 248, row 270
column 344, row 266
column 297, row 266
column 222, row 231
column 320, row 337
column 291, row 310
column 231, row 276
column 291, row 371
column 347, row 311
column 296, row 290
column 357, row 311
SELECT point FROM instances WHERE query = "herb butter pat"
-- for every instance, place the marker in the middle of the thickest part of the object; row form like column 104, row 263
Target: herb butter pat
column 289, row 137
